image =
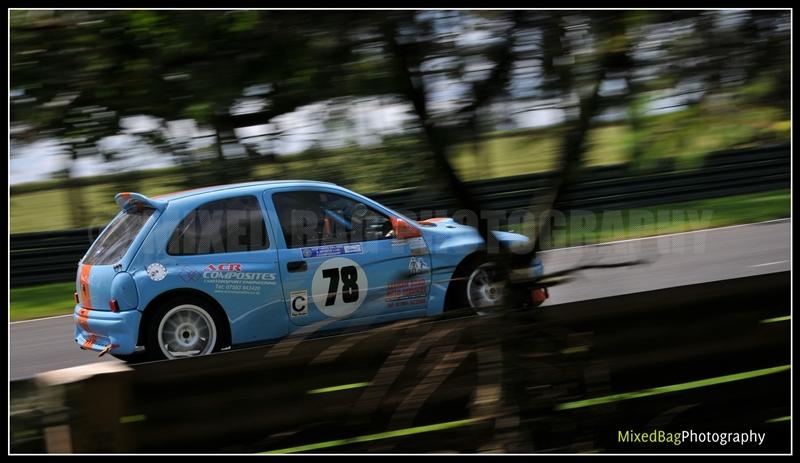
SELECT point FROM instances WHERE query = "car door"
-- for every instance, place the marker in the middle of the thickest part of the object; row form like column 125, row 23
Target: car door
column 340, row 263
column 223, row 248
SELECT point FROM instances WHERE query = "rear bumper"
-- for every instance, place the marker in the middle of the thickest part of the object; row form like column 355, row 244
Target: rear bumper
column 97, row 329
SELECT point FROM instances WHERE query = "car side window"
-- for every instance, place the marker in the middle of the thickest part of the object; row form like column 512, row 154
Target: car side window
column 317, row 218
column 226, row 225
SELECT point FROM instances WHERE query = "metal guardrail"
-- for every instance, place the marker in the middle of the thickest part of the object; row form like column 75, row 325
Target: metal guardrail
column 53, row 256
column 518, row 381
column 48, row 256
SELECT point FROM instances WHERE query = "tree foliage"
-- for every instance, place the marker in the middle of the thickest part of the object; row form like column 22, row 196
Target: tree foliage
column 75, row 75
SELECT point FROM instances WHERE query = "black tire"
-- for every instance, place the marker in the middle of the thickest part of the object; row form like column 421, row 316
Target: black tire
column 152, row 347
column 457, row 294
column 457, row 291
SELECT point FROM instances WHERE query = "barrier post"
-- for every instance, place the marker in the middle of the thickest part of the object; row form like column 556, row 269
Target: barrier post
column 84, row 406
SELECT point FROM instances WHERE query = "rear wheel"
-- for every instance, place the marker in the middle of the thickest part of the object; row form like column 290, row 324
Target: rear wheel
column 183, row 327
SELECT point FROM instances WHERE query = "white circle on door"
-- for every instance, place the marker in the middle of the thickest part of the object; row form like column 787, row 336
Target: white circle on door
column 339, row 287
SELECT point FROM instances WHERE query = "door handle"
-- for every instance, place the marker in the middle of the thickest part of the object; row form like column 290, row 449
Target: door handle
column 297, row 266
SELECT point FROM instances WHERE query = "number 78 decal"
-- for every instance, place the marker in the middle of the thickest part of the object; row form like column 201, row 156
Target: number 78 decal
column 349, row 284
column 339, row 287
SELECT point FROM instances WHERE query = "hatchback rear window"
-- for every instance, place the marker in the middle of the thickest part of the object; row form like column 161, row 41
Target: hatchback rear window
column 114, row 242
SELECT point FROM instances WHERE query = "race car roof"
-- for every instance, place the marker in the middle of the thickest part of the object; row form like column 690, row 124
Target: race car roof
column 167, row 197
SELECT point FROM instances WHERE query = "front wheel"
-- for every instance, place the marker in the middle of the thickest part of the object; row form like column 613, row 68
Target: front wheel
column 481, row 287
column 182, row 328
column 478, row 287
column 484, row 289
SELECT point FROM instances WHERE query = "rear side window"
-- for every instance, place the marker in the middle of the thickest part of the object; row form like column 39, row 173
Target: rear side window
column 227, row 225
column 112, row 244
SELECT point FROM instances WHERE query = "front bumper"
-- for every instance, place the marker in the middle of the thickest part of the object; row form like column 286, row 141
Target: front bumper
column 531, row 272
column 529, row 275
column 97, row 330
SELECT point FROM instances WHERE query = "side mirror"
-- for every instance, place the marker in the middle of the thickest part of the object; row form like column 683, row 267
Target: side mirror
column 403, row 230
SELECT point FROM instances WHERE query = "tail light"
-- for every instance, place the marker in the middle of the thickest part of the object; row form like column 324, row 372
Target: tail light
column 113, row 305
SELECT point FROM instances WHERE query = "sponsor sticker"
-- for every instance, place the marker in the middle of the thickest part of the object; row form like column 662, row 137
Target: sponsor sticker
column 417, row 246
column 417, row 265
column 298, row 303
column 332, row 250
column 406, row 292
column 156, row 271
column 232, row 278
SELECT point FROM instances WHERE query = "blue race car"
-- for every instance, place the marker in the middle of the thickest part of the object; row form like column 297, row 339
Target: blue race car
column 194, row 272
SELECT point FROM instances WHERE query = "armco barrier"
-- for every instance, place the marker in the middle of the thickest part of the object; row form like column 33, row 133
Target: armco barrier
column 53, row 256
column 514, row 381
column 48, row 256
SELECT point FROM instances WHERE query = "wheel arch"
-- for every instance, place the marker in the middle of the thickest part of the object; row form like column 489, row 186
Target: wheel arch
column 469, row 261
column 214, row 305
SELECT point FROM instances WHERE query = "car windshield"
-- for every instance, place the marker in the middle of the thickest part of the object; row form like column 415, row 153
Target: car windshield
column 117, row 237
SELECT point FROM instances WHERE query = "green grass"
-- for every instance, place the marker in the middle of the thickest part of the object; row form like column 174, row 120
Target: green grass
column 507, row 155
column 684, row 136
column 42, row 300
column 51, row 209
column 537, row 151
column 56, row 298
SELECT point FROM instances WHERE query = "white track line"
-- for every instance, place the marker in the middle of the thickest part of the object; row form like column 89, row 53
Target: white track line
column 770, row 263
column 39, row 319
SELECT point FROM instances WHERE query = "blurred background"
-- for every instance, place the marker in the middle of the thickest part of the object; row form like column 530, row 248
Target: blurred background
column 156, row 101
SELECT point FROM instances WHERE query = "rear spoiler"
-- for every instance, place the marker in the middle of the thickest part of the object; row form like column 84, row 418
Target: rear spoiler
column 128, row 201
